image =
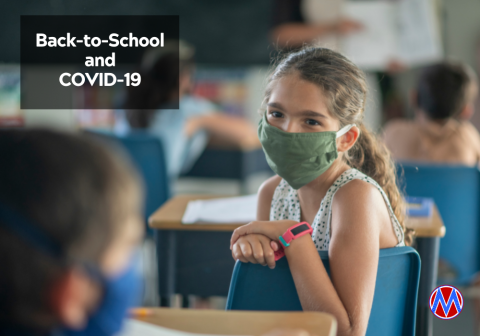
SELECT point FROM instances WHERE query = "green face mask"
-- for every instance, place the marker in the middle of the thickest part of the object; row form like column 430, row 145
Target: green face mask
column 298, row 158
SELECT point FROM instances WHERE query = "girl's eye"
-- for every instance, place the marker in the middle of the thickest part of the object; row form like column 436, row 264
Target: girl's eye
column 276, row 114
column 312, row 122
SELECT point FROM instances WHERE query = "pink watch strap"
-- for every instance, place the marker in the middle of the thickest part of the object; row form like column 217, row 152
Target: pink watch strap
column 288, row 236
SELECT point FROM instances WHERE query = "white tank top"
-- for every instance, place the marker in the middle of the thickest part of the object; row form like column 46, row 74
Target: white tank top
column 286, row 205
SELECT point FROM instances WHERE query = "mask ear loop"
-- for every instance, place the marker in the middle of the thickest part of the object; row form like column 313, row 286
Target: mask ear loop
column 344, row 130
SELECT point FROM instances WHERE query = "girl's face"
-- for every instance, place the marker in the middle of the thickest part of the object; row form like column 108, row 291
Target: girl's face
column 299, row 106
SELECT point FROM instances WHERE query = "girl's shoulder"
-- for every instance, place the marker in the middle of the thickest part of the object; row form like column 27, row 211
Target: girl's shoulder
column 354, row 187
column 267, row 189
column 359, row 201
column 265, row 197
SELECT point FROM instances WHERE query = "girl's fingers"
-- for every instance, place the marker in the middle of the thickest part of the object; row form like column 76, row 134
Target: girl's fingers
column 237, row 254
column 274, row 246
column 247, row 251
column 242, row 231
column 235, row 235
column 257, row 249
column 268, row 253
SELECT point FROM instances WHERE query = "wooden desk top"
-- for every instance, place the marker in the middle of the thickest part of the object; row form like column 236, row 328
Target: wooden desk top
column 169, row 217
column 427, row 226
column 221, row 322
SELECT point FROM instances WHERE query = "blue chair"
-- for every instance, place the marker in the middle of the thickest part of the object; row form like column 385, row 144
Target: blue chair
column 146, row 152
column 254, row 287
column 455, row 190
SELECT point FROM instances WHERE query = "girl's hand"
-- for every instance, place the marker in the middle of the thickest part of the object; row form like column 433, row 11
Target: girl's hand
column 270, row 229
column 254, row 248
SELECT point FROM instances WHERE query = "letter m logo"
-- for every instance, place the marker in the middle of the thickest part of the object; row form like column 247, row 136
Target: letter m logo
column 446, row 302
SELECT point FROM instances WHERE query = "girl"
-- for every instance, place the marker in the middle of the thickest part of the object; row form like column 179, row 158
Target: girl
column 332, row 173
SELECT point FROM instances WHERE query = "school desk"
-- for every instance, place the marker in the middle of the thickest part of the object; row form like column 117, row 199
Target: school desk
column 196, row 259
column 220, row 322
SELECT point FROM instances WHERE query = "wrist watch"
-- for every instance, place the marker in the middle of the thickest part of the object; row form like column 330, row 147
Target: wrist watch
column 292, row 233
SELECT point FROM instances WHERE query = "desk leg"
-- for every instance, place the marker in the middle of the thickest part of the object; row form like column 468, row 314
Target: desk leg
column 166, row 243
column 428, row 249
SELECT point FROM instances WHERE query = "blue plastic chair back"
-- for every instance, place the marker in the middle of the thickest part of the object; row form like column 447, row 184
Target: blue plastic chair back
column 146, row 152
column 455, row 190
column 255, row 287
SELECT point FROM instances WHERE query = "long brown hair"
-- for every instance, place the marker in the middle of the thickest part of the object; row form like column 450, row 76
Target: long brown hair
column 345, row 86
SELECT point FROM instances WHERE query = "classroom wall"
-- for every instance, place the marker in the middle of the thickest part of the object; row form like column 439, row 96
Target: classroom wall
column 462, row 29
column 462, row 36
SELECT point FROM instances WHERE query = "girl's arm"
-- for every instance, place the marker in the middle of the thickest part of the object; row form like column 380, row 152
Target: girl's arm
column 353, row 254
column 357, row 213
column 265, row 196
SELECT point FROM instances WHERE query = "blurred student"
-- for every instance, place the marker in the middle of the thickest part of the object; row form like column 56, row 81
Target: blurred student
column 334, row 178
column 70, row 222
column 441, row 131
column 185, row 131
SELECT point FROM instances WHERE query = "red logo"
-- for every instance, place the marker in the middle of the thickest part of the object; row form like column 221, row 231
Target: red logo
column 446, row 302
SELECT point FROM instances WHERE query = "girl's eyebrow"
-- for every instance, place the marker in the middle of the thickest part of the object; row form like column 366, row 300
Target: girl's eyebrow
column 306, row 113
column 276, row 105
column 309, row 113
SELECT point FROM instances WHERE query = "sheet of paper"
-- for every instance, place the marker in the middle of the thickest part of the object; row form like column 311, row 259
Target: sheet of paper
column 376, row 44
column 419, row 38
column 241, row 209
column 406, row 31
column 138, row 328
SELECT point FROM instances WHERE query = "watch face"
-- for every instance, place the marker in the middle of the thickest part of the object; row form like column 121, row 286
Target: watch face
column 299, row 229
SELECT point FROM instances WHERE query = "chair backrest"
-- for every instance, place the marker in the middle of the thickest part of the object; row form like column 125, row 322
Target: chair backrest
column 146, row 152
column 254, row 287
column 455, row 190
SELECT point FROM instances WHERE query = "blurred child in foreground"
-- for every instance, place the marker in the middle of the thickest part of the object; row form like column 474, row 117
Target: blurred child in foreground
column 70, row 221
